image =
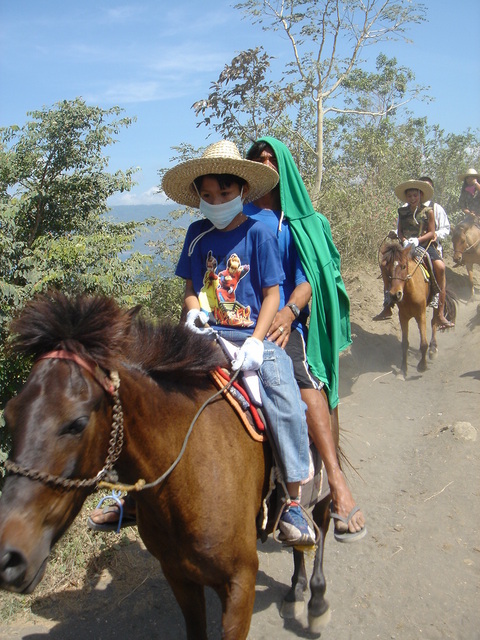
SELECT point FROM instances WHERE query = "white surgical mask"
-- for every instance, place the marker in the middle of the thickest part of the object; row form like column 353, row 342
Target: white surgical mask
column 221, row 215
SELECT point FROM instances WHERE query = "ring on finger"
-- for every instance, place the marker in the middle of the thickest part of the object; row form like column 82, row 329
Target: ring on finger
column 281, row 329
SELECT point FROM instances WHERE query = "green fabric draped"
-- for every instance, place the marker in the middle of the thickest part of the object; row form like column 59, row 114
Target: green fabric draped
column 329, row 329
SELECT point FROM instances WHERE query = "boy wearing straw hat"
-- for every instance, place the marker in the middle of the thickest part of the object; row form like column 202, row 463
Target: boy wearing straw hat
column 416, row 227
column 239, row 259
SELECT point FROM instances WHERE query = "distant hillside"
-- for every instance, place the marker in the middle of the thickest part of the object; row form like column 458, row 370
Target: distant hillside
column 138, row 212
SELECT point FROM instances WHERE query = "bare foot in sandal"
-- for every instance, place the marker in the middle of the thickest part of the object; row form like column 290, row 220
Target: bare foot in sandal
column 349, row 519
column 107, row 518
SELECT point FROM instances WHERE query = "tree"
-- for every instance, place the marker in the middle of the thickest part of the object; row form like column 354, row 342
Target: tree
column 54, row 231
column 326, row 38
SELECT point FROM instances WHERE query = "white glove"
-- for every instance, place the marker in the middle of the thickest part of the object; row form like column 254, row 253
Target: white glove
column 413, row 241
column 191, row 322
column 250, row 356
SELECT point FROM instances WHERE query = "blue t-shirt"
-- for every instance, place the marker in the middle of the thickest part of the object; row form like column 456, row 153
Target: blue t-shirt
column 292, row 266
column 229, row 269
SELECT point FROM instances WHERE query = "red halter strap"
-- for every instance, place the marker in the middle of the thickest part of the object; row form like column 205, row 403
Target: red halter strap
column 92, row 367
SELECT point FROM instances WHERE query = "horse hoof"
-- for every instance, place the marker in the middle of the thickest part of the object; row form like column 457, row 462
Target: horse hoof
column 432, row 354
column 421, row 367
column 318, row 624
column 292, row 610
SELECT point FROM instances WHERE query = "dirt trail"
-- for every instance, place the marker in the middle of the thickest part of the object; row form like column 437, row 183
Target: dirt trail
column 416, row 574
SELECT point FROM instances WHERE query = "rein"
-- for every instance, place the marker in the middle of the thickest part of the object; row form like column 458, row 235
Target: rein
column 111, row 384
column 472, row 246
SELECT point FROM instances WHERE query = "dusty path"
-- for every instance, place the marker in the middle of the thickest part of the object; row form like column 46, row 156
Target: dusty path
column 416, row 575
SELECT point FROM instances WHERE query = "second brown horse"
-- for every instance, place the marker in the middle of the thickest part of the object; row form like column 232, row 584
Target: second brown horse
column 410, row 289
column 466, row 247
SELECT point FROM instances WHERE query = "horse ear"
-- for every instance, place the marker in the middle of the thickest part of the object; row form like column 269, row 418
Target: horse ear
column 133, row 312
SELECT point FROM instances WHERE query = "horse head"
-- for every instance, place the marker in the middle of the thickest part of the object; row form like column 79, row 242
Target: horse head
column 464, row 239
column 394, row 260
column 67, row 422
column 60, row 424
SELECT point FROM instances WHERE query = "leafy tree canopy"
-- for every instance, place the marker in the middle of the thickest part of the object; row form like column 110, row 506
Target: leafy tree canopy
column 324, row 76
column 54, row 231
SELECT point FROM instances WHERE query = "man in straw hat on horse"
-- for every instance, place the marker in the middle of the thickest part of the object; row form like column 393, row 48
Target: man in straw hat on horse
column 416, row 227
column 234, row 254
column 219, row 183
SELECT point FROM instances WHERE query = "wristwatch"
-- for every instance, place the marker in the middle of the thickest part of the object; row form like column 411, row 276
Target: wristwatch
column 295, row 310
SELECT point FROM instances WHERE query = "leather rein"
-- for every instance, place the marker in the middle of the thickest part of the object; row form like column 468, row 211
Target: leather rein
column 472, row 246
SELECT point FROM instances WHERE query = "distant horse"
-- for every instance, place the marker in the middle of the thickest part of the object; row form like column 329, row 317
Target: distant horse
column 466, row 247
column 109, row 391
column 410, row 289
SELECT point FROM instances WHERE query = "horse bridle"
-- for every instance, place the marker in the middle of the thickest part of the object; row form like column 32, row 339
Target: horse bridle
column 472, row 246
column 110, row 384
column 409, row 276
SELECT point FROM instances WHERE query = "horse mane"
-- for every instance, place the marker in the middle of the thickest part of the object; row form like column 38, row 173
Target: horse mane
column 97, row 327
column 388, row 252
column 160, row 348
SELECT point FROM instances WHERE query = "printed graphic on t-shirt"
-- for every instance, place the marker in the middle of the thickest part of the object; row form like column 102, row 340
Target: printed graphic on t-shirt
column 218, row 295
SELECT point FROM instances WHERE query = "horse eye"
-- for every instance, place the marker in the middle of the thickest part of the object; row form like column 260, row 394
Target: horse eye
column 76, row 427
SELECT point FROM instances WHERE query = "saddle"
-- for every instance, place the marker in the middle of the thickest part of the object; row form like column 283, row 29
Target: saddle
column 244, row 396
column 312, row 490
column 422, row 258
column 251, row 416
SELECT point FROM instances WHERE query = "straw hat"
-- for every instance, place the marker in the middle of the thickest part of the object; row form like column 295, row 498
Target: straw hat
column 470, row 172
column 220, row 157
column 425, row 187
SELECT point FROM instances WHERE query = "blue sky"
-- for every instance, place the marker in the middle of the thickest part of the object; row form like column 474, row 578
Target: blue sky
column 154, row 58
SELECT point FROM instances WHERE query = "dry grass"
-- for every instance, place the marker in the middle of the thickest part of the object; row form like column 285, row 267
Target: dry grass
column 78, row 555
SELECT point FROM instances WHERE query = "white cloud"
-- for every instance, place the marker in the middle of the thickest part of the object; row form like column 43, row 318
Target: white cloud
column 150, row 196
column 122, row 14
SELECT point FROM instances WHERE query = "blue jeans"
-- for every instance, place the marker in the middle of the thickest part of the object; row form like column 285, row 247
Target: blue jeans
column 284, row 409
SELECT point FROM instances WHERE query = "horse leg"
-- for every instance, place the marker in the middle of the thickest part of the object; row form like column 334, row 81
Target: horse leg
column 318, row 607
column 237, row 600
column 433, row 348
column 191, row 599
column 294, row 603
column 469, row 266
column 404, row 327
column 422, row 327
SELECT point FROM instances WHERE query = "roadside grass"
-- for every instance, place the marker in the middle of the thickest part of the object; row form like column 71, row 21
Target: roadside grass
column 77, row 555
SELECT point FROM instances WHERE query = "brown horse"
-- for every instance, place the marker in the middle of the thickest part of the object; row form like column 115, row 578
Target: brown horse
column 410, row 289
column 109, row 392
column 466, row 247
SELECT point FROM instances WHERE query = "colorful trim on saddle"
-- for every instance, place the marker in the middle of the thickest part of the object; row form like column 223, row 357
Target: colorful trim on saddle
column 424, row 269
column 238, row 398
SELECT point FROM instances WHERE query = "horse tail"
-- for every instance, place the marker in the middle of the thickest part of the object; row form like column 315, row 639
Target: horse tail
column 450, row 306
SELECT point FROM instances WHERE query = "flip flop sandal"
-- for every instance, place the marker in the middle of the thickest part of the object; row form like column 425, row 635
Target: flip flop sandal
column 448, row 325
column 347, row 536
column 123, row 520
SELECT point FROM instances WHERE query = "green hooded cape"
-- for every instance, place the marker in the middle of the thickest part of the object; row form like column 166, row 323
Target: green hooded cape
column 329, row 329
